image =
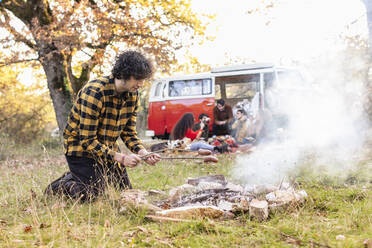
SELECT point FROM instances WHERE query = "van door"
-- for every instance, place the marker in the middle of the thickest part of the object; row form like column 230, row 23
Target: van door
column 156, row 116
column 188, row 95
column 240, row 91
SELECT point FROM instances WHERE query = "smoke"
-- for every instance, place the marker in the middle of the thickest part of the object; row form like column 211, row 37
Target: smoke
column 323, row 118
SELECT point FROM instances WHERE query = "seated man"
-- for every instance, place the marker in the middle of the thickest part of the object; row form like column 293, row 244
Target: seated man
column 223, row 117
column 203, row 118
column 241, row 128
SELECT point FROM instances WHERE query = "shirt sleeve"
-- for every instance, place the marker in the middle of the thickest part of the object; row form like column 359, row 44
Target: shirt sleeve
column 129, row 134
column 215, row 115
column 90, row 106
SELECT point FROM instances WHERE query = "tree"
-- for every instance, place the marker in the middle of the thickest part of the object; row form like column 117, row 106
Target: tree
column 55, row 32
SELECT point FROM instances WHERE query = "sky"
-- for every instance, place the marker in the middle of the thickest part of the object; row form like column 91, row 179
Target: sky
column 298, row 29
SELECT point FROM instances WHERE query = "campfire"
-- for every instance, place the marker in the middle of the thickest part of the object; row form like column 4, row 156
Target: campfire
column 216, row 198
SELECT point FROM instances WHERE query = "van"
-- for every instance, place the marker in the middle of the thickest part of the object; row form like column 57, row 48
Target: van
column 171, row 97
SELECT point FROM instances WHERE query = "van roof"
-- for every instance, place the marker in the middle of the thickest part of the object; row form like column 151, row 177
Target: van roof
column 242, row 67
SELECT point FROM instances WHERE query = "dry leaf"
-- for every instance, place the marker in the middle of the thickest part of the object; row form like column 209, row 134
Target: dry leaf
column 33, row 194
column 27, row 228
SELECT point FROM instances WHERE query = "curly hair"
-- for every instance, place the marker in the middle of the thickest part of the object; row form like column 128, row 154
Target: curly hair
column 179, row 130
column 132, row 63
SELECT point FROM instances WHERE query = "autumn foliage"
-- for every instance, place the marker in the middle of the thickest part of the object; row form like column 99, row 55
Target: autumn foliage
column 73, row 39
column 24, row 110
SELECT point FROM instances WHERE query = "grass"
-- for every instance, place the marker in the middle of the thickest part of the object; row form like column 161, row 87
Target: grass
column 335, row 206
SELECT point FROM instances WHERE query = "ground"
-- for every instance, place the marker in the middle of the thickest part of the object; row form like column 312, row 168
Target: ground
column 337, row 212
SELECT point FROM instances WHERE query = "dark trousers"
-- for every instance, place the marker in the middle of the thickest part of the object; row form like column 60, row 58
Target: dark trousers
column 221, row 129
column 87, row 179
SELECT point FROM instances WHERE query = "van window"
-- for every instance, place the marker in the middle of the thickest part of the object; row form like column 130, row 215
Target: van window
column 157, row 89
column 241, row 90
column 192, row 87
column 238, row 86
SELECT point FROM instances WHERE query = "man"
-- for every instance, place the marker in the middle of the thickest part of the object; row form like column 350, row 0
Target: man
column 241, row 127
column 223, row 116
column 203, row 118
column 105, row 109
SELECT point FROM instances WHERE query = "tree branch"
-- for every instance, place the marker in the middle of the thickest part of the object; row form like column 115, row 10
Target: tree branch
column 11, row 62
column 18, row 37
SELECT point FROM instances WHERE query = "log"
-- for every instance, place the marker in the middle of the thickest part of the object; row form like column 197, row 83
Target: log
column 192, row 212
column 259, row 209
column 164, row 219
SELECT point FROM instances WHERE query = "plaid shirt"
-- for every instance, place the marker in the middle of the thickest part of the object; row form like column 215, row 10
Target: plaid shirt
column 99, row 116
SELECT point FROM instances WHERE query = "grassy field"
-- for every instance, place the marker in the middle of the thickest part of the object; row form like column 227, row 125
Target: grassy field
column 27, row 219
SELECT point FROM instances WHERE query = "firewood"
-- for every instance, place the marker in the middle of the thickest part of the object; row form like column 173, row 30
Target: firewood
column 165, row 219
column 259, row 209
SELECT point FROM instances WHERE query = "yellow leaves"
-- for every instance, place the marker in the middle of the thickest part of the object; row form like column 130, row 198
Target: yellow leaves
column 24, row 110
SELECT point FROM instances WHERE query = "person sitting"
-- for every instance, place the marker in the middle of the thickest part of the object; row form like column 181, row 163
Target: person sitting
column 241, row 128
column 183, row 128
column 223, row 116
column 203, row 118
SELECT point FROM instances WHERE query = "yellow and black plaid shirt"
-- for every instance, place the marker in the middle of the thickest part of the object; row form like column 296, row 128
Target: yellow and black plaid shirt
column 99, row 116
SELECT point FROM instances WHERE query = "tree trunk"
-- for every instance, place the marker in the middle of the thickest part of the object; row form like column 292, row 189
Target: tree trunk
column 58, row 88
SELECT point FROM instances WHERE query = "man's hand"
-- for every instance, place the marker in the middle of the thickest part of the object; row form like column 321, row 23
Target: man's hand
column 127, row 160
column 151, row 159
column 202, row 125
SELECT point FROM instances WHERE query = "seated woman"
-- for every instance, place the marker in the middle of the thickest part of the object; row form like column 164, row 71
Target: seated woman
column 183, row 128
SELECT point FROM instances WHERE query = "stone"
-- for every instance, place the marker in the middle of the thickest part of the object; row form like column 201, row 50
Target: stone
column 209, row 185
column 225, row 205
column 340, row 237
column 234, row 187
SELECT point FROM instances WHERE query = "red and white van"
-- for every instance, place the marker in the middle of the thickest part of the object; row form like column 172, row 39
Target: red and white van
column 171, row 97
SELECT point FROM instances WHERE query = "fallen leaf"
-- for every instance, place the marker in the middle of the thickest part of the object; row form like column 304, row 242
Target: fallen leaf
column 33, row 194
column 27, row 228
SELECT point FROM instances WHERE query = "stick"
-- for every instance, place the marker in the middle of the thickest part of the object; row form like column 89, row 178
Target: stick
column 181, row 158
column 148, row 154
column 280, row 185
column 165, row 219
